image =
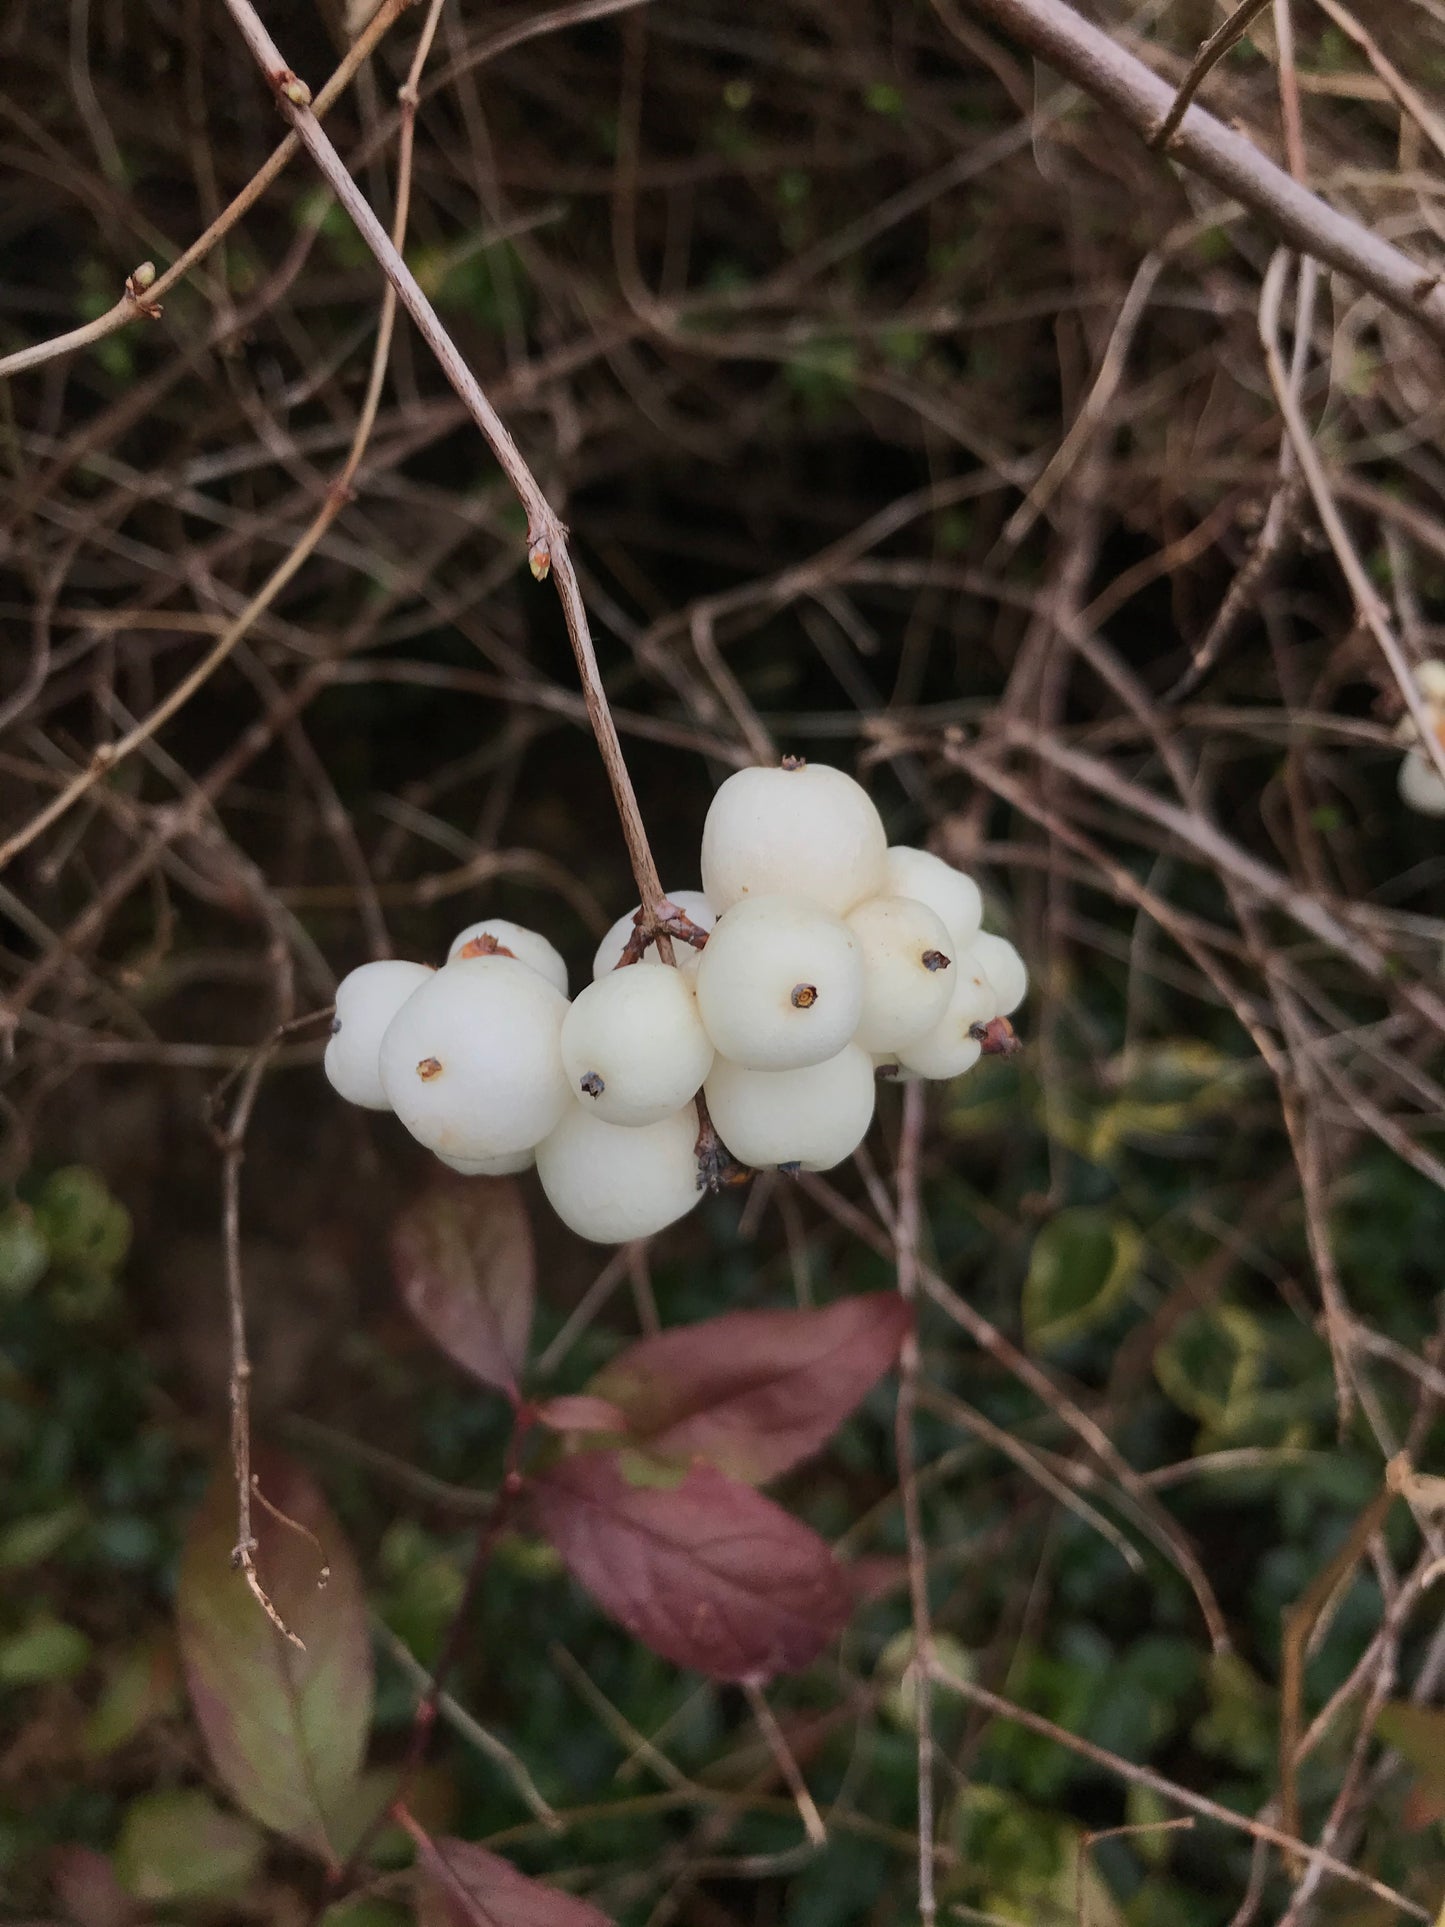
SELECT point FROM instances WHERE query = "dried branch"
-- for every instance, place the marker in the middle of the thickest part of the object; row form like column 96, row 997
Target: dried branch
column 1087, row 55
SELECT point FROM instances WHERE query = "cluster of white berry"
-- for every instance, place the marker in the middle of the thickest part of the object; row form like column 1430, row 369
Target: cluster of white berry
column 813, row 959
column 1421, row 787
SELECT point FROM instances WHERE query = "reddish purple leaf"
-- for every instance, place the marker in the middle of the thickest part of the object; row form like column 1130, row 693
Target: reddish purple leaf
column 469, row 1887
column 286, row 1729
column 88, row 1890
column 708, row 1573
column 463, row 1258
column 754, row 1392
column 580, row 1414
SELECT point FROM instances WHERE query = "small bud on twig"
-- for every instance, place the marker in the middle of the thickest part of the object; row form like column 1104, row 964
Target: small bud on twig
column 294, row 88
column 539, row 557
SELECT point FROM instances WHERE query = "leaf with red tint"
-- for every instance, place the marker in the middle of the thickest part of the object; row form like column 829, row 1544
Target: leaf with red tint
column 468, row 1887
column 754, row 1392
column 580, row 1414
column 705, row 1571
column 463, row 1259
column 286, row 1728
column 87, row 1888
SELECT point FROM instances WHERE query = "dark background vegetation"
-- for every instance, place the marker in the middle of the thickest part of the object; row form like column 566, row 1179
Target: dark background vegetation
column 790, row 309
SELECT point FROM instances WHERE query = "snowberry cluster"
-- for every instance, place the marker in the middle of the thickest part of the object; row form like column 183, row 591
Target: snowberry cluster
column 1421, row 787
column 814, row 959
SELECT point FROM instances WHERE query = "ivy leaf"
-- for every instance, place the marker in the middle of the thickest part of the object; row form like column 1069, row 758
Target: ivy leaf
column 286, row 1728
column 755, row 1392
column 1084, row 1263
column 463, row 1259
column 706, row 1572
column 468, row 1887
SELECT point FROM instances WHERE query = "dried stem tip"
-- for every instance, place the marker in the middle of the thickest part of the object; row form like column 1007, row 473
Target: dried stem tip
column 997, row 1038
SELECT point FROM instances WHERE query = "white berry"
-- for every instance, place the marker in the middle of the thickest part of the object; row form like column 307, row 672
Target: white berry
column 907, row 962
column 807, row 831
column 611, row 1182
column 504, row 1166
column 527, row 946
column 694, row 905
column 366, row 1001
column 472, row 1061
column 1420, row 785
column 633, row 1045
column 949, row 1049
column 813, row 1117
column 950, row 894
column 780, row 984
column 1430, row 675
column 1006, row 970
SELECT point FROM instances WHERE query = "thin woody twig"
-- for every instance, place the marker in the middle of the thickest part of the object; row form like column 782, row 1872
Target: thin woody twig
column 905, row 1262
column 547, row 550
column 1225, row 35
column 1087, row 55
column 145, row 291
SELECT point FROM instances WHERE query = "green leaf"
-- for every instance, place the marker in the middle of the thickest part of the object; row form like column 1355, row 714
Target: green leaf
column 45, row 1650
column 179, row 1845
column 1212, row 1362
column 286, row 1726
column 1418, row 1732
column 24, row 1254
column 29, row 1542
column 1084, row 1263
column 145, row 1687
column 81, row 1222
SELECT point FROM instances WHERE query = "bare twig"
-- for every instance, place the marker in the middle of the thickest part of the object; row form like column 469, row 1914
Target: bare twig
column 1226, row 34
column 1088, row 56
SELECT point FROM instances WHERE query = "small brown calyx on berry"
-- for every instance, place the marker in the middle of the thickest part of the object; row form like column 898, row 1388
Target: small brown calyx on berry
column 804, row 996
column 935, row 960
column 792, row 1170
column 997, row 1038
column 795, row 762
column 428, row 1068
column 591, row 1084
column 483, row 946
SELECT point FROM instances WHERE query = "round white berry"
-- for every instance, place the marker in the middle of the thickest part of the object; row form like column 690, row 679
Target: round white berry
column 472, row 1062
column 801, row 830
column 780, row 984
column 504, row 1166
column 691, row 902
column 950, row 894
column 614, row 1182
column 1420, row 785
column 366, row 1001
column 1006, row 970
column 1430, row 675
column 813, row 1117
column 633, row 1045
column 950, row 1049
column 907, row 962
column 527, row 946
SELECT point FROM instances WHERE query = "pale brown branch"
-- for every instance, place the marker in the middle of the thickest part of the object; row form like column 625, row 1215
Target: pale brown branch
column 1085, row 54
column 1225, row 35
column 145, row 299
column 547, row 550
